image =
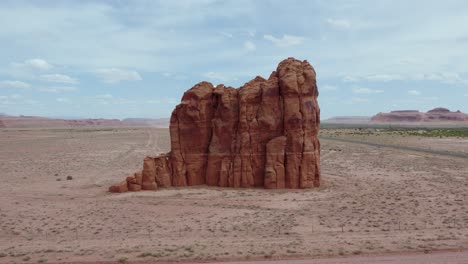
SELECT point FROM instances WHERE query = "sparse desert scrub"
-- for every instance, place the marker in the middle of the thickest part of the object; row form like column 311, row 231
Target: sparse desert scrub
column 373, row 200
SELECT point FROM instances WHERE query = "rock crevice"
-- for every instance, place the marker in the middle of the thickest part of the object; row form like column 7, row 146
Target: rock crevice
column 264, row 134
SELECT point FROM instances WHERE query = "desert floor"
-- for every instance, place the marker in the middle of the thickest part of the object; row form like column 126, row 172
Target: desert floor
column 374, row 200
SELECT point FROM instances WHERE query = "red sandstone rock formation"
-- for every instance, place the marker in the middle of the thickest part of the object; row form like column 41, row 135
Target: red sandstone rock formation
column 434, row 115
column 263, row 134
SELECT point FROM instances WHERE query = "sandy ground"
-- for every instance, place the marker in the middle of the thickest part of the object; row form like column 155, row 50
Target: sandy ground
column 457, row 145
column 421, row 258
column 373, row 200
column 438, row 257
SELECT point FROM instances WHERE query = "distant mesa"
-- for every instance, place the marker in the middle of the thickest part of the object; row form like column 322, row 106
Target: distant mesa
column 263, row 134
column 435, row 115
column 440, row 110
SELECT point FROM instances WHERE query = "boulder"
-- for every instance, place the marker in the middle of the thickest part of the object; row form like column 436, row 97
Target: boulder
column 138, row 177
column 131, row 180
column 149, row 174
column 163, row 171
column 134, row 187
column 119, row 188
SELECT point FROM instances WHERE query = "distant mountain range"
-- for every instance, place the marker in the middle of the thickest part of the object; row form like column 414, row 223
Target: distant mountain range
column 437, row 115
column 7, row 121
column 434, row 115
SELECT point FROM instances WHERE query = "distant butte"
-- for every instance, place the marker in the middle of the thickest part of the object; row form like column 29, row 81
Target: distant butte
column 434, row 115
column 264, row 134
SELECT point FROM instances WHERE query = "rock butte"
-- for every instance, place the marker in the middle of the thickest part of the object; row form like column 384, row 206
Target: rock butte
column 263, row 134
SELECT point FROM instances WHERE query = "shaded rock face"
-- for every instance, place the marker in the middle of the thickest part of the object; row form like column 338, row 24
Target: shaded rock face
column 263, row 134
column 434, row 115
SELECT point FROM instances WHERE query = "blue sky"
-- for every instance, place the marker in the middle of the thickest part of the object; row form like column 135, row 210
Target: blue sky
column 118, row 59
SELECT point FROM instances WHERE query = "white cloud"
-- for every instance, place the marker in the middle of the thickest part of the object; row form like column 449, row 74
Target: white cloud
column 104, row 96
column 175, row 76
column 285, row 41
column 30, row 101
column 466, row 95
column 27, row 69
column 31, row 65
column 229, row 35
column 361, row 90
column 165, row 37
column 349, row 78
column 16, row 99
column 384, row 77
column 5, row 100
column 109, row 99
column 171, row 100
column 57, row 78
column 113, row 75
column 38, row 64
column 16, row 96
column 249, row 46
column 414, row 92
column 62, row 100
column 215, row 76
column 443, row 77
column 153, row 101
column 163, row 100
column 14, row 84
column 327, row 87
column 357, row 100
column 339, row 23
column 57, row 89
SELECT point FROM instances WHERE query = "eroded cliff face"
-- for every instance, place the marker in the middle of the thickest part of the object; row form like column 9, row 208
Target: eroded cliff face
column 264, row 134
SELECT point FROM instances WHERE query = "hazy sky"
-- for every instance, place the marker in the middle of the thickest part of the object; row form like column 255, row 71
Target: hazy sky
column 119, row 59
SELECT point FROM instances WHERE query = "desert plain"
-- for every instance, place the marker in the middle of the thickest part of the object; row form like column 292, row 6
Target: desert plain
column 383, row 192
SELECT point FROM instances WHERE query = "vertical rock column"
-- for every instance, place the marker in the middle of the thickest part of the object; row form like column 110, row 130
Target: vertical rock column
column 274, row 167
column 301, row 123
column 190, row 128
